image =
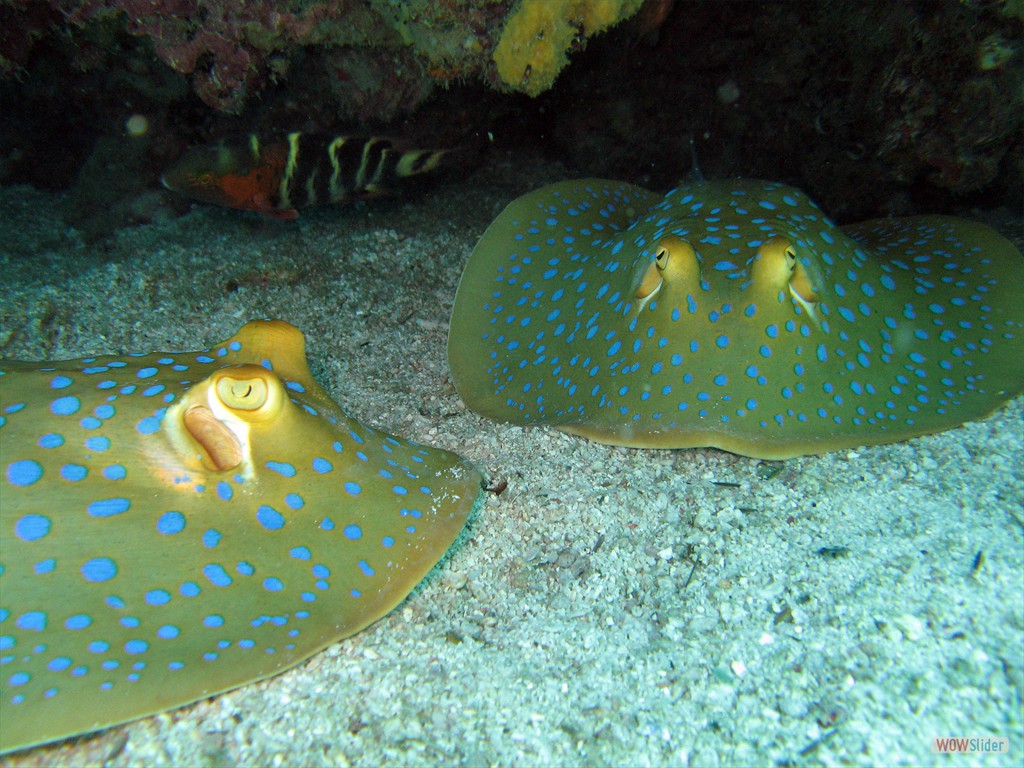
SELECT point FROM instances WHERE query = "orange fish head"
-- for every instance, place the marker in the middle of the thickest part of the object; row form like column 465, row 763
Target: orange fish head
column 228, row 174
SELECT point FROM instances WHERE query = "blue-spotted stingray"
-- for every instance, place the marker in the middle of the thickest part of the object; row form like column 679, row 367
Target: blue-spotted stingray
column 175, row 525
column 736, row 315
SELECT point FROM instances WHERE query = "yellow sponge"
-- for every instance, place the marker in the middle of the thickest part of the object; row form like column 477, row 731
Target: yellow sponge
column 533, row 45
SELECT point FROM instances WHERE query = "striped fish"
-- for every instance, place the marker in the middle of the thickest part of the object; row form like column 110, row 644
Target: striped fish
column 278, row 177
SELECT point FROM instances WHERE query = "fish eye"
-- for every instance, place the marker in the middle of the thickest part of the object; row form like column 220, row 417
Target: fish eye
column 674, row 260
column 204, row 179
column 248, row 394
column 673, row 251
column 800, row 284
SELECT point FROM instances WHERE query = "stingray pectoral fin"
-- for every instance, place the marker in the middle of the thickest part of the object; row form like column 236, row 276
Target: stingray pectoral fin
column 178, row 524
column 458, row 489
column 579, row 213
column 984, row 325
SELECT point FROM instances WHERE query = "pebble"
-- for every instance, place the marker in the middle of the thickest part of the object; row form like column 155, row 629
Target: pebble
column 913, row 628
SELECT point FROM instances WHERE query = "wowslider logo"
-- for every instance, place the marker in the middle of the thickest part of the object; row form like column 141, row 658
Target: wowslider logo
column 967, row 745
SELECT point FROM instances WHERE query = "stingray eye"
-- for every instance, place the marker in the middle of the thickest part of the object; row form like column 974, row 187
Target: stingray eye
column 250, row 392
column 239, row 398
column 243, row 394
column 672, row 250
column 800, row 284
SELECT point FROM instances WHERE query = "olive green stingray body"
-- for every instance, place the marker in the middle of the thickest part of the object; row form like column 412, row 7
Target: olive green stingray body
column 733, row 314
column 175, row 525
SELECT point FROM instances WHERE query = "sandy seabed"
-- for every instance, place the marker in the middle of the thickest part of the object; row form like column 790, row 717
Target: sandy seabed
column 612, row 606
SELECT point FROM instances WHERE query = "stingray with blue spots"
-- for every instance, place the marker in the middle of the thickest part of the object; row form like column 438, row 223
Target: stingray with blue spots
column 174, row 525
column 736, row 315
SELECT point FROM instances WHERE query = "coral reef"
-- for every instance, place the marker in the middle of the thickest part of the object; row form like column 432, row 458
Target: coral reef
column 873, row 107
column 233, row 49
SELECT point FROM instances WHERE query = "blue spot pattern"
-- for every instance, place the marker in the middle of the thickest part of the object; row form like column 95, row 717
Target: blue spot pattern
column 141, row 572
column 547, row 330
